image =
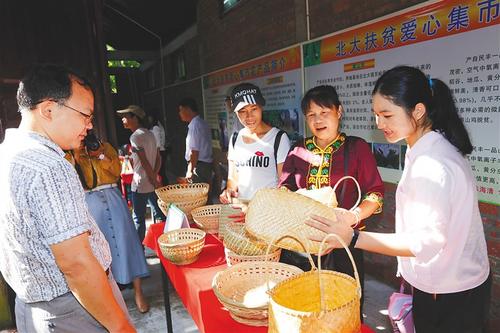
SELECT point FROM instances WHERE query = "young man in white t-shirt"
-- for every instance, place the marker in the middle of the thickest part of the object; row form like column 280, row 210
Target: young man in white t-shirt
column 146, row 163
column 257, row 154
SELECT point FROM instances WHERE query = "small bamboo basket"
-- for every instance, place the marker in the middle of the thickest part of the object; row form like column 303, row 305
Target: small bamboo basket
column 207, row 218
column 225, row 212
column 186, row 206
column 242, row 289
column 233, row 258
column 274, row 213
column 317, row 301
column 182, row 246
column 182, row 192
column 240, row 242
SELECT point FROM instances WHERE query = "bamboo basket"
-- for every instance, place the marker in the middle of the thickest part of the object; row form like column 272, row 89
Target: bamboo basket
column 274, row 213
column 186, row 206
column 207, row 218
column 242, row 289
column 240, row 242
column 225, row 212
column 233, row 258
column 317, row 301
column 182, row 246
column 182, row 192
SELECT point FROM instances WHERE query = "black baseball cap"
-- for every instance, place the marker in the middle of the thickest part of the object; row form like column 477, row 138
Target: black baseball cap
column 246, row 94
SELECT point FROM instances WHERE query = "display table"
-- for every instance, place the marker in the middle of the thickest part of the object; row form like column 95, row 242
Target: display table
column 193, row 284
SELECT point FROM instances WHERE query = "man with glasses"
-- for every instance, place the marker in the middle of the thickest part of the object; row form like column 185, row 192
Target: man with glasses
column 53, row 254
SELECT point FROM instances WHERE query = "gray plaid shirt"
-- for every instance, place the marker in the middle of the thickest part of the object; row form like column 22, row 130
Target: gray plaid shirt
column 41, row 203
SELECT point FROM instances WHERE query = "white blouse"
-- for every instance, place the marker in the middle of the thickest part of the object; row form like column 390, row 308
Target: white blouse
column 437, row 213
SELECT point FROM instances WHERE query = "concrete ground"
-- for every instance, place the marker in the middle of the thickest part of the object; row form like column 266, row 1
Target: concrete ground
column 376, row 298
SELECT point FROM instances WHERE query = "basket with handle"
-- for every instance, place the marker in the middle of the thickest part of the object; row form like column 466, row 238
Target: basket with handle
column 273, row 213
column 207, row 218
column 182, row 246
column 234, row 258
column 242, row 288
column 317, row 301
column 182, row 192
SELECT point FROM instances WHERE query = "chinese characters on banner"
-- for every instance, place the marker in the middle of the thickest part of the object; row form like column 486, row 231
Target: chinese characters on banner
column 455, row 41
column 279, row 78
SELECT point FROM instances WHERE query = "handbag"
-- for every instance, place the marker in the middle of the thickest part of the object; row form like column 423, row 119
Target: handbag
column 400, row 311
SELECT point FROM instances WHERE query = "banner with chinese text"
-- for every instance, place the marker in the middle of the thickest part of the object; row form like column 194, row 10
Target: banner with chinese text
column 455, row 41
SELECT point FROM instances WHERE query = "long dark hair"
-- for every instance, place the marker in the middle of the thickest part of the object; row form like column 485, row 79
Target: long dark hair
column 324, row 96
column 407, row 86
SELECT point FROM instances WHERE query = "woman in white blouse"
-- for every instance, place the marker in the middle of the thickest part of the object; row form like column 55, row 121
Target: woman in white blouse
column 439, row 240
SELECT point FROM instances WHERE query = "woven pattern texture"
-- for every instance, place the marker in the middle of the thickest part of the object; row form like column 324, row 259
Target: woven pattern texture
column 182, row 246
column 242, row 289
column 207, row 218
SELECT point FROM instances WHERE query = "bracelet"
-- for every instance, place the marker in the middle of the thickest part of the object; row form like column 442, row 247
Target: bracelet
column 354, row 239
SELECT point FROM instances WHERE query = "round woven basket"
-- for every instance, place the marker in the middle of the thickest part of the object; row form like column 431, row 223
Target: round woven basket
column 207, row 218
column 274, row 213
column 242, row 288
column 182, row 192
column 182, row 246
column 241, row 242
column 186, row 206
column 225, row 212
column 317, row 301
column 233, row 258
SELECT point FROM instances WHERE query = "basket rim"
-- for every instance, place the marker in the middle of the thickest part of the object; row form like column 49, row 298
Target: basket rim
column 195, row 210
column 223, row 299
column 299, row 313
column 201, row 233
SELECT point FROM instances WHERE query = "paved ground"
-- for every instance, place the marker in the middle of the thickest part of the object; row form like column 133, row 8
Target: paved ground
column 376, row 298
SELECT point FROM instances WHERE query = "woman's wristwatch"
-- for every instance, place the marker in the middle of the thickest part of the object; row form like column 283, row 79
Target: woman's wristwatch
column 101, row 156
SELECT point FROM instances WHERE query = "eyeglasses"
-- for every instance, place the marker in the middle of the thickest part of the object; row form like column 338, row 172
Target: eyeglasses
column 88, row 117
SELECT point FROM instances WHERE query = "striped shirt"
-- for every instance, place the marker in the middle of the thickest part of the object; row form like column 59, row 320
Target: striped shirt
column 41, row 203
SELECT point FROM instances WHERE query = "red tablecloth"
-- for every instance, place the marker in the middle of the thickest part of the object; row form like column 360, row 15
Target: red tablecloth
column 193, row 284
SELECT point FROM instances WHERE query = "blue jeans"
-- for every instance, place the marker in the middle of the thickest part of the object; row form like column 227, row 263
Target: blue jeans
column 139, row 202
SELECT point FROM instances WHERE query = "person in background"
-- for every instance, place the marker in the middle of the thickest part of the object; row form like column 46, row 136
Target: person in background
column 321, row 160
column 98, row 167
column 53, row 254
column 439, row 240
column 146, row 162
column 256, row 153
column 159, row 133
column 198, row 143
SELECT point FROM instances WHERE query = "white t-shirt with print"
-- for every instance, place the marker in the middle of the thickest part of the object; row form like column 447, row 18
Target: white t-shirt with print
column 255, row 163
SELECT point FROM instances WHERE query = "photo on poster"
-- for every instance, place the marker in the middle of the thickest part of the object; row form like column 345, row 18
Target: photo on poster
column 285, row 119
column 386, row 155
column 223, row 133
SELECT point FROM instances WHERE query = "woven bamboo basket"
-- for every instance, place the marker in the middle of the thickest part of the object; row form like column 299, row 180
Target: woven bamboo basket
column 242, row 289
column 207, row 218
column 241, row 242
column 182, row 246
column 274, row 213
column 182, row 192
column 233, row 258
column 186, row 206
column 225, row 212
column 317, row 301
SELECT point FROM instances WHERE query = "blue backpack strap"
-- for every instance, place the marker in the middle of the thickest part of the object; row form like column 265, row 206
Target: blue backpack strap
column 277, row 141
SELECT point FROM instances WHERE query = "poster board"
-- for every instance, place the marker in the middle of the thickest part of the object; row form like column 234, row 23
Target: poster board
column 279, row 77
column 455, row 41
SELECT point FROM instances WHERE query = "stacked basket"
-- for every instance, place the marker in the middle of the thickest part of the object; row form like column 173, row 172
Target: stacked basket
column 185, row 196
